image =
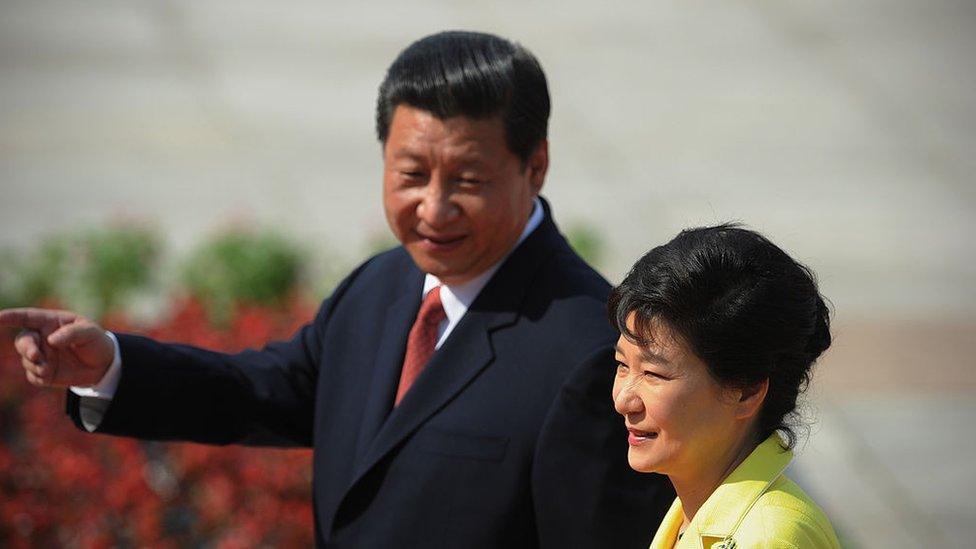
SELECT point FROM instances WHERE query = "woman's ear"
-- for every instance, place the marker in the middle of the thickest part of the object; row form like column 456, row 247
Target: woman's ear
column 750, row 399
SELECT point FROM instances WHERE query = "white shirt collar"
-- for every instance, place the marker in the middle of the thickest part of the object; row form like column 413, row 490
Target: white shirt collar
column 457, row 298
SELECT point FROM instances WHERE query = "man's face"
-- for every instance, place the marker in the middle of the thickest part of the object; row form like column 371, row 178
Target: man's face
column 454, row 195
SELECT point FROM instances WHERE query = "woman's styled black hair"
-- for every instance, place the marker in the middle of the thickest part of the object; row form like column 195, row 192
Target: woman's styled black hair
column 470, row 74
column 742, row 305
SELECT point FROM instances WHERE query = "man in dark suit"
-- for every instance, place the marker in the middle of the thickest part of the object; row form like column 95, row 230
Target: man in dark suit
column 456, row 389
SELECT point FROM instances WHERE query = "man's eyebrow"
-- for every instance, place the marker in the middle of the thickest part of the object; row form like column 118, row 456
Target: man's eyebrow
column 472, row 160
column 408, row 154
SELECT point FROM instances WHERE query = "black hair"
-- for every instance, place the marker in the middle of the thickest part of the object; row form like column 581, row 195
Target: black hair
column 742, row 305
column 470, row 74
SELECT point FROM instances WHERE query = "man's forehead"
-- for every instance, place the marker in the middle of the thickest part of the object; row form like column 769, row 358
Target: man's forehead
column 418, row 133
column 419, row 115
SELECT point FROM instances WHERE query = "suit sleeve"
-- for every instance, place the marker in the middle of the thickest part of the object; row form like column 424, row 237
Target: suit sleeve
column 584, row 492
column 179, row 392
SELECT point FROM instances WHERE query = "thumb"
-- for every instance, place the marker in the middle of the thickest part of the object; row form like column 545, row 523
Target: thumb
column 86, row 342
column 83, row 351
column 73, row 334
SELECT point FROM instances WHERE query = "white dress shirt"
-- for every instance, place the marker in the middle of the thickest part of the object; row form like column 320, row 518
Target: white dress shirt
column 458, row 297
column 455, row 299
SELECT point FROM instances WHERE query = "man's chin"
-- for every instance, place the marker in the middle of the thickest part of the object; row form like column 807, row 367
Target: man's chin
column 438, row 267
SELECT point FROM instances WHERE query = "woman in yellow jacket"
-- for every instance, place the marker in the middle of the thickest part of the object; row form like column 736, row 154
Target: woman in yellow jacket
column 720, row 328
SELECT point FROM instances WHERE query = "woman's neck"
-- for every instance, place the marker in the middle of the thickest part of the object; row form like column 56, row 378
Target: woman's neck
column 694, row 488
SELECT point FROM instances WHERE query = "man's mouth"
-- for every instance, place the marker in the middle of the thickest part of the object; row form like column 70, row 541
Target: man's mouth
column 443, row 239
column 440, row 242
column 636, row 437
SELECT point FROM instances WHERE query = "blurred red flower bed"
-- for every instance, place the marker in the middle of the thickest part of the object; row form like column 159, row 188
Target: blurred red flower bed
column 60, row 487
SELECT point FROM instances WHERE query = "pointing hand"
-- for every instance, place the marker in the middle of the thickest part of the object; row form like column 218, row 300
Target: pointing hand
column 59, row 348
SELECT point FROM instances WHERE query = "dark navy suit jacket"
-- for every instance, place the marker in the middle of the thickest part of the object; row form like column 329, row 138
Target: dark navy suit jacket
column 508, row 438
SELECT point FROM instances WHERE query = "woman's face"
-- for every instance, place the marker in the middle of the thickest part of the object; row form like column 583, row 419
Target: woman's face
column 678, row 417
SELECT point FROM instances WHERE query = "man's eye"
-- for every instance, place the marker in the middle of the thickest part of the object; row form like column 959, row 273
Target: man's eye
column 653, row 375
column 622, row 368
column 413, row 174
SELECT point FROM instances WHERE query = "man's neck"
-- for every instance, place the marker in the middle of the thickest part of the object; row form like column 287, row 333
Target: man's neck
column 478, row 281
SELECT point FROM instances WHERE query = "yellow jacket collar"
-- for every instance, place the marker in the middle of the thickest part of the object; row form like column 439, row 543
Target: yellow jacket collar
column 722, row 512
column 729, row 503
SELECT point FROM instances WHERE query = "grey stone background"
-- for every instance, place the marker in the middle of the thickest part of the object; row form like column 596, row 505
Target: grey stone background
column 844, row 131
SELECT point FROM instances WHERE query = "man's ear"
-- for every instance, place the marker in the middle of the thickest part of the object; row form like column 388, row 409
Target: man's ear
column 538, row 165
column 750, row 399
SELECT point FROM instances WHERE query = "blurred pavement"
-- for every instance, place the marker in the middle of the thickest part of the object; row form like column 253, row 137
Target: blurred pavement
column 887, row 454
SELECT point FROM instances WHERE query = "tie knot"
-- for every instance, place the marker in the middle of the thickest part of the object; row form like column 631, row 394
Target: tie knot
column 432, row 310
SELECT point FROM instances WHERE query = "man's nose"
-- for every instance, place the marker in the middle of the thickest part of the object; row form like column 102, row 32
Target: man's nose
column 437, row 209
column 626, row 401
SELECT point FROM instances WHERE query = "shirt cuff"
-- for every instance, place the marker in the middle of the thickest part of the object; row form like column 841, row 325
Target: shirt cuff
column 94, row 400
column 105, row 388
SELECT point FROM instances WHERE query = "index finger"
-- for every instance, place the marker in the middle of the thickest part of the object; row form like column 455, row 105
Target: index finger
column 33, row 318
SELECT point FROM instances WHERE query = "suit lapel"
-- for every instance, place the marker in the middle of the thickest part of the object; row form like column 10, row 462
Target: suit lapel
column 449, row 370
column 392, row 342
column 465, row 353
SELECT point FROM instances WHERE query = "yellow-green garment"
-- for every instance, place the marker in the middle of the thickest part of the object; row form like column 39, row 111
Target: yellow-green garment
column 756, row 506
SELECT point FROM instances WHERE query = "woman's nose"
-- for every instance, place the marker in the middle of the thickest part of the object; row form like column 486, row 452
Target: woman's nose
column 626, row 401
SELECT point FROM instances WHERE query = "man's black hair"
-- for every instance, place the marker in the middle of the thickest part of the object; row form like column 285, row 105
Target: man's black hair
column 470, row 74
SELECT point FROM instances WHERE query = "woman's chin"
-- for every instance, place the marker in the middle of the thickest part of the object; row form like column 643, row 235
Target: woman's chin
column 641, row 464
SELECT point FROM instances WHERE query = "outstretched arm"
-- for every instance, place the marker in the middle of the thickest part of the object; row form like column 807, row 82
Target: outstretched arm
column 171, row 392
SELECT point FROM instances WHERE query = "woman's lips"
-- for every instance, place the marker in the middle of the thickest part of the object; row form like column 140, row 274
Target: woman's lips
column 637, row 437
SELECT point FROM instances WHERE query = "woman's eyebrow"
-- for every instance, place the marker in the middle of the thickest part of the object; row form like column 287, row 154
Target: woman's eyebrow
column 651, row 356
column 647, row 355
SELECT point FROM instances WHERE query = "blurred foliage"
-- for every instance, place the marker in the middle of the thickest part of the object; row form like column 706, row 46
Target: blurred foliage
column 115, row 263
column 244, row 268
column 587, row 241
column 94, row 272
column 125, row 493
column 60, row 487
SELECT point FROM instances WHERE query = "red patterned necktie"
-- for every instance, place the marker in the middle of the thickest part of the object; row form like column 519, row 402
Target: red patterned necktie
column 421, row 341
